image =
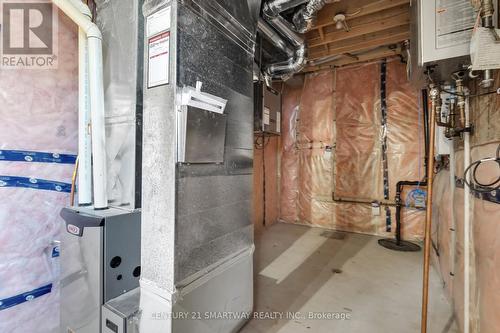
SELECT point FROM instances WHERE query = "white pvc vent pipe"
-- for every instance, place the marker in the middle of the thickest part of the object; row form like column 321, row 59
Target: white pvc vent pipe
column 80, row 14
column 467, row 223
column 84, row 139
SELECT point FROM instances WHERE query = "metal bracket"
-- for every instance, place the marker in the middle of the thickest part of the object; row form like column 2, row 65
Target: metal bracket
column 195, row 98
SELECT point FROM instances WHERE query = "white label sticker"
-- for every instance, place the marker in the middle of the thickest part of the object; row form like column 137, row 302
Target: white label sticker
column 159, row 59
column 266, row 119
column 158, row 21
column 278, row 122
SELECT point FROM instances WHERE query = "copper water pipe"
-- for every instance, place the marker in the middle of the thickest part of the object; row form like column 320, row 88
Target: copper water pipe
column 461, row 103
column 73, row 182
column 435, row 96
column 428, row 223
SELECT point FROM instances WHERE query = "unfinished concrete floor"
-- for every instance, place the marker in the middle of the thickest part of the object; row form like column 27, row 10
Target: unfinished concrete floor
column 304, row 270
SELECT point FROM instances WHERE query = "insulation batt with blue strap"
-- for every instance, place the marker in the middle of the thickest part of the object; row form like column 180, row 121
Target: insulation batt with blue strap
column 36, row 184
column 36, row 157
column 25, row 297
column 30, row 295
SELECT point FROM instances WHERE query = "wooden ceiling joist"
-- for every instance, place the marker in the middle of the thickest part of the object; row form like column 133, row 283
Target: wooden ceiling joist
column 374, row 25
column 379, row 53
column 365, row 42
column 364, row 7
column 357, row 31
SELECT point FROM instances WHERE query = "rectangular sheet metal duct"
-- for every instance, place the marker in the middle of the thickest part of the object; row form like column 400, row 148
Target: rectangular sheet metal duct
column 197, row 233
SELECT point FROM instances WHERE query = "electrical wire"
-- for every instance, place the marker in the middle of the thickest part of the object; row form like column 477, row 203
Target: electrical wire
column 477, row 186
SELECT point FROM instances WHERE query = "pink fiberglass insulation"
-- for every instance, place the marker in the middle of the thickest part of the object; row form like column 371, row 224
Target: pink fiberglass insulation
column 358, row 172
column 39, row 113
column 331, row 146
column 289, row 193
column 484, row 216
column 485, row 246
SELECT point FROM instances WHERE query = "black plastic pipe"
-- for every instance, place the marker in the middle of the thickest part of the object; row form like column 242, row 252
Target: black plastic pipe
column 425, row 106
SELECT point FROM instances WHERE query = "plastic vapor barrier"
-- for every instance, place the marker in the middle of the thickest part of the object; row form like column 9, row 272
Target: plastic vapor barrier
column 38, row 144
column 332, row 149
column 448, row 215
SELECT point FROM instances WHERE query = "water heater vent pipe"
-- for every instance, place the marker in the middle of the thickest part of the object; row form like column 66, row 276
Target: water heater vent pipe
column 79, row 14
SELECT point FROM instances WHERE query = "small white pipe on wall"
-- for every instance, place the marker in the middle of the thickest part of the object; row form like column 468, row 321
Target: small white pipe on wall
column 80, row 14
column 467, row 224
column 84, row 139
column 98, row 122
column 453, row 227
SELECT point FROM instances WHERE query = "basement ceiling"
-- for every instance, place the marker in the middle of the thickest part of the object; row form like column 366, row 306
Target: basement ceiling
column 376, row 29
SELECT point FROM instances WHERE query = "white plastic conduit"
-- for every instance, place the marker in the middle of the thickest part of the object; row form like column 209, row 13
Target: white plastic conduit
column 84, row 140
column 453, row 227
column 467, row 226
column 78, row 13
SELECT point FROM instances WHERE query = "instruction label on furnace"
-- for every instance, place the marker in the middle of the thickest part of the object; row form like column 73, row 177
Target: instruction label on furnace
column 158, row 59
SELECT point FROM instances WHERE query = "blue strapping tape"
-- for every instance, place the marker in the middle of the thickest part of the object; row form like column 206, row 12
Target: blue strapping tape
column 55, row 252
column 25, row 297
column 34, row 183
column 35, row 156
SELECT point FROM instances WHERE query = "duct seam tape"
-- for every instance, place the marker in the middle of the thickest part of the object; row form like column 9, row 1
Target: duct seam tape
column 35, row 156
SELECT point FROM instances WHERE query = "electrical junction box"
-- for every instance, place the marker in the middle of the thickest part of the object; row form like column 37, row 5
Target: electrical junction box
column 267, row 110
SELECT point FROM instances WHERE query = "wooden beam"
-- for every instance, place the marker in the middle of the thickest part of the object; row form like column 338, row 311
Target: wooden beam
column 365, row 42
column 321, row 33
column 372, row 55
column 360, row 30
column 365, row 7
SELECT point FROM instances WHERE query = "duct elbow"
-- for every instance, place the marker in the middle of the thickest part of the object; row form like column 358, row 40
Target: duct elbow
column 301, row 22
column 80, row 15
column 92, row 31
column 273, row 8
column 83, row 8
column 277, row 30
column 304, row 19
column 295, row 65
column 269, row 10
